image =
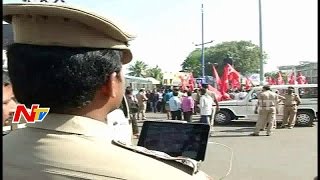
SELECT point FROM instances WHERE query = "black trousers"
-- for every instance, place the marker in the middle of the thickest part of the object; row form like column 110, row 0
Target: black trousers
column 176, row 115
column 187, row 116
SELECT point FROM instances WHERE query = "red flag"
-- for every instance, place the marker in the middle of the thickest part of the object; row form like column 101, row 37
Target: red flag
column 232, row 73
column 216, row 92
column 215, row 74
column 235, row 84
column 248, row 84
column 191, row 82
column 291, row 78
column 280, row 79
column 233, row 76
column 224, row 81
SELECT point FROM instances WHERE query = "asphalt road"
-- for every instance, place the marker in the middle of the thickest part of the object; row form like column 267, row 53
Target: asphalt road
column 289, row 154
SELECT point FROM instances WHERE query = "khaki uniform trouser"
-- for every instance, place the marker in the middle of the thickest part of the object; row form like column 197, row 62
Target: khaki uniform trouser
column 267, row 115
column 133, row 119
column 142, row 110
column 291, row 113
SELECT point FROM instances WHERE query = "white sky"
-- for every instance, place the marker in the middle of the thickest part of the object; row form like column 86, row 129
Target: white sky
column 166, row 29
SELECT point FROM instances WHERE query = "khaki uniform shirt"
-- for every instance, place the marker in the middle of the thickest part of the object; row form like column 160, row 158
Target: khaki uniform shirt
column 142, row 98
column 291, row 99
column 267, row 99
column 74, row 147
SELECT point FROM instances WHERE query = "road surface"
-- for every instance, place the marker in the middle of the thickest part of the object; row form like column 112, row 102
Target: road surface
column 289, row 154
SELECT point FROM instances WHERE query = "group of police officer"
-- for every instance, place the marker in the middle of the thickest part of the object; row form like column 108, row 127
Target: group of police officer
column 268, row 102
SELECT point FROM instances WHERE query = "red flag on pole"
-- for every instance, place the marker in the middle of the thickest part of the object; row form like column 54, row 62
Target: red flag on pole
column 215, row 74
column 229, row 74
column 233, row 76
column 232, row 73
column 224, row 81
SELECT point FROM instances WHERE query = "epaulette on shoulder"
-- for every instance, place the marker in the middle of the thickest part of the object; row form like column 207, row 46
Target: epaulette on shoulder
column 190, row 165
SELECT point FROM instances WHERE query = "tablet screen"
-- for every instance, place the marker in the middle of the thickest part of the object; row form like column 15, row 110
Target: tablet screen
column 175, row 138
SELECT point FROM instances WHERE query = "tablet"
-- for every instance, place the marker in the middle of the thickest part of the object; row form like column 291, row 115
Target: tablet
column 176, row 138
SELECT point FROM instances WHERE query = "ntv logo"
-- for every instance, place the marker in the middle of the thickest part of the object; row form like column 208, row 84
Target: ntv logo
column 36, row 114
column 44, row 1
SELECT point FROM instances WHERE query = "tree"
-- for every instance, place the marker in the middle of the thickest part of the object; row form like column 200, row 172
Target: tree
column 192, row 63
column 245, row 55
column 138, row 69
column 155, row 72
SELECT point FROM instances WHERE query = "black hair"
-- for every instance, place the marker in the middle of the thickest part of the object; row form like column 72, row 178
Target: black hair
column 203, row 91
column 206, row 86
column 189, row 93
column 266, row 87
column 129, row 90
column 175, row 93
column 62, row 78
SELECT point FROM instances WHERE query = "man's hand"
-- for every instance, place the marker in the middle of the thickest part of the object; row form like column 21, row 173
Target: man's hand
column 217, row 108
column 256, row 110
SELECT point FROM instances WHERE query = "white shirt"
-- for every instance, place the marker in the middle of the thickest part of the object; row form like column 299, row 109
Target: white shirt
column 206, row 103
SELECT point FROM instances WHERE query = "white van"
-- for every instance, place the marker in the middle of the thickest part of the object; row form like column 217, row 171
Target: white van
column 244, row 109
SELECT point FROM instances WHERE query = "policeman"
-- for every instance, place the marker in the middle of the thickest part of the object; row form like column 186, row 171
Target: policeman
column 267, row 102
column 71, row 61
column 142, row 102
column 291, row 102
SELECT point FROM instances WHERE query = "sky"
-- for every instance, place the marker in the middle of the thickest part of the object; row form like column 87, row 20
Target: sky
column 167, row 30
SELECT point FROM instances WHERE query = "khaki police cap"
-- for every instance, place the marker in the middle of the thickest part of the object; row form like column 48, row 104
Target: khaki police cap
column 60, row 25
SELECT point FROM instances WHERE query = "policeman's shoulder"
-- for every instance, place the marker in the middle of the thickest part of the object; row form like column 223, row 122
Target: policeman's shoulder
column 188, row 165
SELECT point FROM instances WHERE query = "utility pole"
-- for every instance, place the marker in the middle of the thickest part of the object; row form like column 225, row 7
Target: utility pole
column 202, row 43
column 261, row 50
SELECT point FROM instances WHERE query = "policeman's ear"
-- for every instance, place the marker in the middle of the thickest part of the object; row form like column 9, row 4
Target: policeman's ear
column 110, row 87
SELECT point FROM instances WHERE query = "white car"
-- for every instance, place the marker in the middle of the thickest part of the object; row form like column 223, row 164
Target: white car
column 244, row 109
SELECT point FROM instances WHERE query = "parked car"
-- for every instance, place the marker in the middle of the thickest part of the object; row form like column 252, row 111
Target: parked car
column 244, row 109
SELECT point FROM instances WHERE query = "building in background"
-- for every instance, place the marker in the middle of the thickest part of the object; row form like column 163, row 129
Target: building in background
column 307, row 68
column 174, row 78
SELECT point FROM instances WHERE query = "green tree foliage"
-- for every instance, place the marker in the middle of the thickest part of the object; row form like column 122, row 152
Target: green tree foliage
column 138, row 69
column 155, row 72
column 192, row 63
column 245, row 55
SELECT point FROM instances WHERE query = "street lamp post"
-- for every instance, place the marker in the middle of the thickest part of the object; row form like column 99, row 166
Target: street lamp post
column 260, row 41
column 202, row 42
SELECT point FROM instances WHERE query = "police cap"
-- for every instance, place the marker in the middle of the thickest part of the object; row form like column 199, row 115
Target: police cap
column 60, row 25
